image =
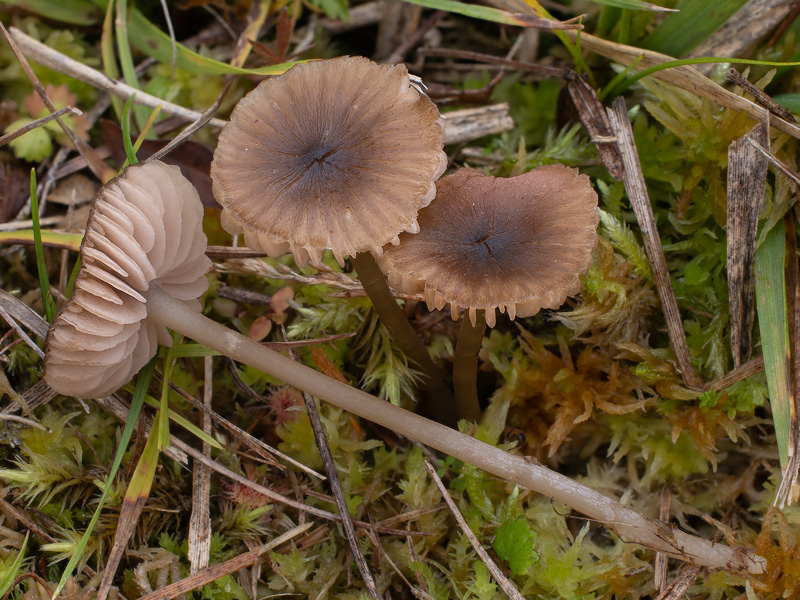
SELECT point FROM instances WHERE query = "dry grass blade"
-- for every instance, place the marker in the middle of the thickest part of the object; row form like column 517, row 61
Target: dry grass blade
column 38, row 123
column 336, row 488
column 23, row 313
column 97, row 166
column 788, row 491
column 637, row 193
column 760, row 95
column 747, row 180
column 748, row 369
column 68, row 66
column 685, row 77
column 775, row 161
column 595, row 120
column 209, row 574
column 200, row 521
column 662, row 560
column 504, row 582
column 18, row 330
column 265, row 451
column 678, row 587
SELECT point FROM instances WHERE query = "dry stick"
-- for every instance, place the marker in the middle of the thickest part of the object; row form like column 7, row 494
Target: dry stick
column 13, row 324
column 677, row 589
column 747, row 180
column 97, row 166
column 744, row 371
column 637, row 193
column 200, row 521
column 661, row 566
column 626, row 522
column 504, row 582
column 265, row 451
column 437, row 397
column 68, row 66
column 775, row 161
column 336, row 488
column 38, row 123
column 465, row 366
column 760, row 95
column 209, row 574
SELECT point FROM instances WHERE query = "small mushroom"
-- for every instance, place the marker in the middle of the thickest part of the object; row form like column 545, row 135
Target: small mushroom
column 338, row 154
column 486, row 243
column 144, row 231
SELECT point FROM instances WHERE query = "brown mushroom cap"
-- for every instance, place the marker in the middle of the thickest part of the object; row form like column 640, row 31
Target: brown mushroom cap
column 517, row 244
column 145, row 228
column 338, row 154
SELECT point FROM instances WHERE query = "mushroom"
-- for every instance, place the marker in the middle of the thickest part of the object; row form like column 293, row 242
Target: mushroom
column 140, row 275
column 338, row 154
column 144, row 231
column 486, row 243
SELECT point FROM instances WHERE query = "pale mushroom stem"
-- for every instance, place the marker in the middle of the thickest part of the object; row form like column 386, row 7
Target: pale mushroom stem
column 465, row 367
column 626, row 522
column 437, row 397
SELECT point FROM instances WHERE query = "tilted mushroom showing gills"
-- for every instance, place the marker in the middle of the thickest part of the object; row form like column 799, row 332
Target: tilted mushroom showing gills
column 487, row 243
column 144, row 231
column 338, row 154
column 135, row 213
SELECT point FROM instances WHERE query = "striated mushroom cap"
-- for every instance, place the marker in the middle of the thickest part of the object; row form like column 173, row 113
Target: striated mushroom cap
column 517, row 244
column 338, row 154
column 145, row 228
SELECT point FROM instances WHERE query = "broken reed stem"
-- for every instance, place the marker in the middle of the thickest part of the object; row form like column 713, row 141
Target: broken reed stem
column 199, row 550
column 624, row 521
column 68, row 66
column 437, row 397
column 465, row 367
column 640, row 201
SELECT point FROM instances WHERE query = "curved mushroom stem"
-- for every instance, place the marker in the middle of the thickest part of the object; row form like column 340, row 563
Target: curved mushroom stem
column 437, row 397
column 626, row 522
column 465, row 366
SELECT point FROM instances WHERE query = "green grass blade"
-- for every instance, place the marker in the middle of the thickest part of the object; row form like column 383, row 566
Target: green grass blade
column 44, row 282
column 7, row 579
column 773, row 324
column 193, row 351
column 696, row 20
column 633, row 5
column 55, row 239
column 74, row 12
column 126, row 58
column 155, row 43
column 130, row 153
column 108, row 55
column 186, row 424
column 142, row 383
column 140, row 139
column 790, row 102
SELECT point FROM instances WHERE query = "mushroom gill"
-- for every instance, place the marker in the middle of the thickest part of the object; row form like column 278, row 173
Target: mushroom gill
column 338, row 154
column 486, row 243
column 144, row 230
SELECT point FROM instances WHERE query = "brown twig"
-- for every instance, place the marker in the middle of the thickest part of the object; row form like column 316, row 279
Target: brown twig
column 640, row 201
column 504, row 582
column 209, row 574
column 200, row 521
column 38, row 123
column 760, row 95
column 336, row 488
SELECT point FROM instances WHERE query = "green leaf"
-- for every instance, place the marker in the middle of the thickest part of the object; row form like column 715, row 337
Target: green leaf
column 74, row 12
column 790, row 102
column 681, row 31
column 514, row 542
column 155, row 43
column 33, row 146
column 773, row 324
column 10, row 575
